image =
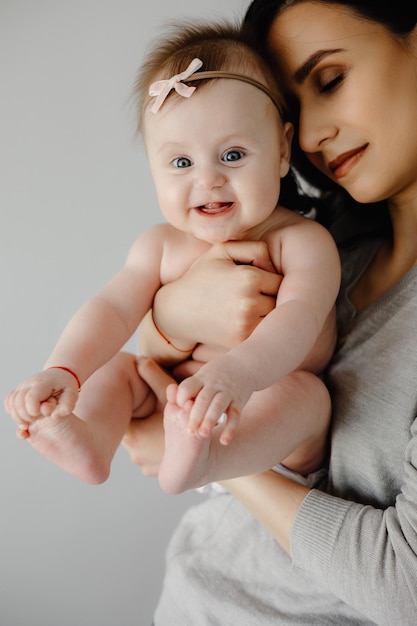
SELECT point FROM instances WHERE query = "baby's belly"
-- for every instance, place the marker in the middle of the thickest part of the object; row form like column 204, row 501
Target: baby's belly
column 202, row 354
column 205, row 352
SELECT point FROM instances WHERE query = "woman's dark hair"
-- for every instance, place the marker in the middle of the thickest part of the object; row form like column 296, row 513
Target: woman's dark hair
column 399, row 17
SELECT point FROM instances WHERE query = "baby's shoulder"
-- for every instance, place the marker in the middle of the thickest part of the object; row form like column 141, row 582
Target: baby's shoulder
column 280, row 222
column 178, row 249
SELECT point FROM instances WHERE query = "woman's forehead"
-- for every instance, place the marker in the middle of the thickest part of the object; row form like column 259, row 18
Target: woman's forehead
column 309, row 25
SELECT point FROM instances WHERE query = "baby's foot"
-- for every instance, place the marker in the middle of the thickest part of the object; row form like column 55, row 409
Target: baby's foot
column 68, row 442
column 185, row 462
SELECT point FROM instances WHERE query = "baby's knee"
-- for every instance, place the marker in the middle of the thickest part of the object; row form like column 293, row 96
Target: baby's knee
column 123, row 364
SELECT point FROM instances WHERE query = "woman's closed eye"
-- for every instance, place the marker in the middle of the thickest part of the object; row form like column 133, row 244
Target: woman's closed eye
column 329, row 80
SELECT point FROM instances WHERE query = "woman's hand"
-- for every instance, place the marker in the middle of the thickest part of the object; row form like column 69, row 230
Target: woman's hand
column 144, row 439
column 221, row 298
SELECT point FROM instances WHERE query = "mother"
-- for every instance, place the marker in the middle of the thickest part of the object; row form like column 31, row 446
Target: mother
column 347, row 553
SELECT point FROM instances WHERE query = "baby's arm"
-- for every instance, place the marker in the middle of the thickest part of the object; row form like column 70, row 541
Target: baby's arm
column 95, row 334
column 309, row 261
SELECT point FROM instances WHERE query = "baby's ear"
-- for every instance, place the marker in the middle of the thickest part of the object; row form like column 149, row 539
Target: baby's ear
column 286, row 140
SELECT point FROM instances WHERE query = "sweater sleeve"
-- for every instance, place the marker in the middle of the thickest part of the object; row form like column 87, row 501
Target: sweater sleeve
column 366, row 556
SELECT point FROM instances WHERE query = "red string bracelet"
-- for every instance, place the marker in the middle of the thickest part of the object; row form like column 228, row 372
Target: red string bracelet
column 167, row 340
column 66, row 369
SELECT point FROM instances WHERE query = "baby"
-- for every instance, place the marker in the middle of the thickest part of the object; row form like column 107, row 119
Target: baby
column 211, row 116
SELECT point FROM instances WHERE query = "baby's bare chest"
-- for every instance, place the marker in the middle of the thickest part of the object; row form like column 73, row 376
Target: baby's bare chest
column 179, row 256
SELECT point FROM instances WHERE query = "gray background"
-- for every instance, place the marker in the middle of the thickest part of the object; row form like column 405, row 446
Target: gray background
column 75, row 191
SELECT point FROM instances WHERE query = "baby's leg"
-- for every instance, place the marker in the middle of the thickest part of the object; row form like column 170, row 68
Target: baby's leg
column 84, row 444
column 286, row 423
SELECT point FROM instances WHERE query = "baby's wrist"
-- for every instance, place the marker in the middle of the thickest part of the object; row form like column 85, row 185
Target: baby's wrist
column 67, row 369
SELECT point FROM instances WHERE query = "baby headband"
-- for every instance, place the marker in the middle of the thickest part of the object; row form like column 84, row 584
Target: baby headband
column 161, row 88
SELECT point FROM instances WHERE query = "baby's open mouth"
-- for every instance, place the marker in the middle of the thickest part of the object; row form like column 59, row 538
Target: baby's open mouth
column 215, row 207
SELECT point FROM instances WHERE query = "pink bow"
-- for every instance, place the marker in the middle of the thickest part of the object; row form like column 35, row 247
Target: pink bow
column 161, row 88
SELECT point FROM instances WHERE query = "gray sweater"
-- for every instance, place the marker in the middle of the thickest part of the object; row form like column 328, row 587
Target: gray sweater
column 354, row 541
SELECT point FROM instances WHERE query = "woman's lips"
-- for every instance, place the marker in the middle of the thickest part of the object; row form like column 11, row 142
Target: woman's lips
column 343, row 164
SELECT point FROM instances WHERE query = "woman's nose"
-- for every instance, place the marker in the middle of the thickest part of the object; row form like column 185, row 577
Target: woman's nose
column 315, row 129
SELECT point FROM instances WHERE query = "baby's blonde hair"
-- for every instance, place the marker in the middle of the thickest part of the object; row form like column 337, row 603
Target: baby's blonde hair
column 222, row 46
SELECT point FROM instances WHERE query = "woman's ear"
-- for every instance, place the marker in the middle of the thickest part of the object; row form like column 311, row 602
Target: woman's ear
column 285, row 152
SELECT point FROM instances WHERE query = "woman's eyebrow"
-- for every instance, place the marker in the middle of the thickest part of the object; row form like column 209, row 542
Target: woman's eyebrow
column 304, row 70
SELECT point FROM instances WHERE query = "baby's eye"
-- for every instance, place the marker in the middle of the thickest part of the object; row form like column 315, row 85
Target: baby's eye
column 233, row 155
column 182, row 162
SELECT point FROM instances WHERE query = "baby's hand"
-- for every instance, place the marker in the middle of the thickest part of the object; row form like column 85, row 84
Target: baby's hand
column 216, row 389
column 51, row 393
